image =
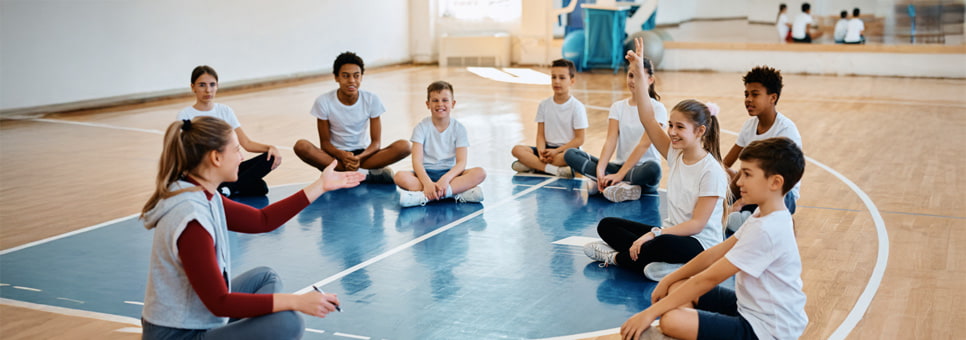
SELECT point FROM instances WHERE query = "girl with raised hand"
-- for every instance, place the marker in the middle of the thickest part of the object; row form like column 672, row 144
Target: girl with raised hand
column 696, row 188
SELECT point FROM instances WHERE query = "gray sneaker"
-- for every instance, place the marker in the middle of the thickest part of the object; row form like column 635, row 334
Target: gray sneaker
column 622, row 191
column 655, row 271
column 736, row 219
column 591, row 187
column 380, row 175
column 473, row 195
column 601, row 252
column 519, row 167
column 565, row 172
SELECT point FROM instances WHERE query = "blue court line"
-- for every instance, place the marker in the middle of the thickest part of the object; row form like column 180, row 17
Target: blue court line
column 424, row 237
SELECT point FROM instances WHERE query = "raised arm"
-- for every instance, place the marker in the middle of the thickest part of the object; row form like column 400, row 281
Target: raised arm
column 644, row 109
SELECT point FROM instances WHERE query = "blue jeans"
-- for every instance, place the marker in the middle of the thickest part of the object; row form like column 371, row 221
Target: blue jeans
column 647, row 175
column 279, row 325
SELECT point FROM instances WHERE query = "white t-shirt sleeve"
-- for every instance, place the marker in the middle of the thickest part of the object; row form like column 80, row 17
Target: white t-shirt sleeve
column 542, row 112
column 713, row 183
column 580, row 116
column 747, row 133
column 615, row 111
column 320, row 109
column 660, row 112
column 462, row 136
column 419, row 134
column 375, row 106
column 752, row 253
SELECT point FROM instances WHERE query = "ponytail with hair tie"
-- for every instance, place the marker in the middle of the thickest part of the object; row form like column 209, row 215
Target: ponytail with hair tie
column 713, row 108
column 186, row 125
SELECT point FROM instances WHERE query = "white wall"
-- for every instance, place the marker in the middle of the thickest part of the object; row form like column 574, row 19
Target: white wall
column 64, row 51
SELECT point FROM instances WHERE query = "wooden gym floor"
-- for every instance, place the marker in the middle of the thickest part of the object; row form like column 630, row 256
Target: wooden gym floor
column 886, row 163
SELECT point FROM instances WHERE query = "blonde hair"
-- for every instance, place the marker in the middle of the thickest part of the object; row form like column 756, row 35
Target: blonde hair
column 186, row 143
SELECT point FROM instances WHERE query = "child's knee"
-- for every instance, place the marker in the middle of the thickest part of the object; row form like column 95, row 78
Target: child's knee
column 302, row 147
column 402, row 147
column 677, row 323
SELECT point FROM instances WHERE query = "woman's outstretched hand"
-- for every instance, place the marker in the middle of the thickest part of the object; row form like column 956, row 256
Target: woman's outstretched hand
column 335, row 180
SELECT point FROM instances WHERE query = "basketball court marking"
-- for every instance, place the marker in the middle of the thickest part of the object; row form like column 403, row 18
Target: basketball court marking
column 422, row 238
column 852, row 319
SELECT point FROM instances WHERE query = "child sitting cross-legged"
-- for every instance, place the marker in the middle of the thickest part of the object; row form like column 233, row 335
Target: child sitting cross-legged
column 439, row 156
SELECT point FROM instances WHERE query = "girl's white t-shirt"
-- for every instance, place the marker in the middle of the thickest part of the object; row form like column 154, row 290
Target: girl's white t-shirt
column 630, row 130
column 220, row 111
column 686, row 183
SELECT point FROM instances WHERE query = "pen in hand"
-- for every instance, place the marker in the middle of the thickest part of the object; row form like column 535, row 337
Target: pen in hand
column 321, row 292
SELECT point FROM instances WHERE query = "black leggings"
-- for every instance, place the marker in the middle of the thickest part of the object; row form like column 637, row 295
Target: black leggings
column 250, row 174
column 620, row 234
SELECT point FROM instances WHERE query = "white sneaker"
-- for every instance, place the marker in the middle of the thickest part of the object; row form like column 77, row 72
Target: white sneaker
column 519, row 167
column 565, row 172
column 473, row 195
column 591, row 187
column 622, row 191
column 601, row 252
column 412, row 198
column 655, row 271
column 380, row 175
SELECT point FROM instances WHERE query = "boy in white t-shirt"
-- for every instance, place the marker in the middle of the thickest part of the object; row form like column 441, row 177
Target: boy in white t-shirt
column 841, row 27
column 561, row 121
column 804, row 29
column 854, row 29
column 768, row 301
column 343, row 116
column 440, row 146
column 763, row 87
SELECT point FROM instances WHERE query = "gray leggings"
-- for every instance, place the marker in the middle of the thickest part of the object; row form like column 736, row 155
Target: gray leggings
column 647, row 175
column 280, row 325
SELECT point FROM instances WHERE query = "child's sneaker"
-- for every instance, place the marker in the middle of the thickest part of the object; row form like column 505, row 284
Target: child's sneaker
column 655, row 271
column 736, row 219
column 380, row 175
column 473, row 195
column 519, row 167
column 601, row 252
column 591, row 187
column 622, row 191
column 411, row 198
column 565, row 172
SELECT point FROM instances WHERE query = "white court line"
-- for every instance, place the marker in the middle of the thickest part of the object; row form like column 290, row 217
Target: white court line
column 138, row 303
column 115, row 127
column 71, row 312
column 881, row 261
column 106, row 126
column 313, row 330
column 27, row 289
column 352, row 336
column 67, row 234
column 426, row 236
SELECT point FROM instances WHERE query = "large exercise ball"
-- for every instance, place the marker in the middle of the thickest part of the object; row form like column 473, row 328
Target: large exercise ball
column 653, row 45
column 573, row 47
